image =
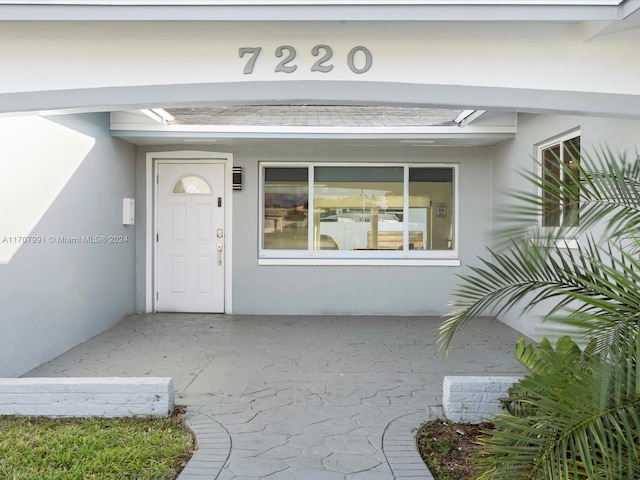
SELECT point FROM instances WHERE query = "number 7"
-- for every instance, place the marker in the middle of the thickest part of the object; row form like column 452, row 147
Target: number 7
column 255, row 51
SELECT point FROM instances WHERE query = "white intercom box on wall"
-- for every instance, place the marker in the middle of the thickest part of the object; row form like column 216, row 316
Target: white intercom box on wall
column 128, row 211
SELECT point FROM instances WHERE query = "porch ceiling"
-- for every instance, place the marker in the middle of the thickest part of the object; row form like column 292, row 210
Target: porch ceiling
column 347, row 124
column 314, row 115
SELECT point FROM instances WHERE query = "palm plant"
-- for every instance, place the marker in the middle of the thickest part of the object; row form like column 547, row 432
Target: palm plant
column 576, row 415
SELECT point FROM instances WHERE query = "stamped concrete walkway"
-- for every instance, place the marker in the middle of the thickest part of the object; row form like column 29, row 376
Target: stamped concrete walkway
column 296, row 397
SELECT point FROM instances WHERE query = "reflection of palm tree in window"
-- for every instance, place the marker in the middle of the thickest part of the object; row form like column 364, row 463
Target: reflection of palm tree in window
column 295, row 215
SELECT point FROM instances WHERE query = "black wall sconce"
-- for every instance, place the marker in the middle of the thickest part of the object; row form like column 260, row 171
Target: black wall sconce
column 237, row 178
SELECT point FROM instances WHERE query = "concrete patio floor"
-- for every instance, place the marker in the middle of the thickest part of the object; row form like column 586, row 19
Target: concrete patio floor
column 296, row 397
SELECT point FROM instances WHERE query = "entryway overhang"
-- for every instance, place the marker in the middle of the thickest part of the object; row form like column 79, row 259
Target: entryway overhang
column 321, row 92
column 353, row 124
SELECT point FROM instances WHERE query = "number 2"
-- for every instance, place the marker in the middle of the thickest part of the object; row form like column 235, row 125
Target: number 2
column 328, row 53
column 282, row 66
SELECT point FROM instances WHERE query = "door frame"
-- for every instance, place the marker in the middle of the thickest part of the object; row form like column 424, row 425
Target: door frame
column 151, row 211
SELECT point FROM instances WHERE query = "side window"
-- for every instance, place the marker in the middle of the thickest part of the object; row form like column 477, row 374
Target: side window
column 559, row 162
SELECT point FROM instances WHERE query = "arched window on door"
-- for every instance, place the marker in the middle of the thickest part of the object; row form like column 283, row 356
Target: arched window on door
column 191, row 185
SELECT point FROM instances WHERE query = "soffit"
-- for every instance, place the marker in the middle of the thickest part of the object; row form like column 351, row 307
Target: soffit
column 327, row 10
column 313, row 116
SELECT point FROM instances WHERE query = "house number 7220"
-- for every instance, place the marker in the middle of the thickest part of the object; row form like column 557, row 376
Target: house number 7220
column 325, row 52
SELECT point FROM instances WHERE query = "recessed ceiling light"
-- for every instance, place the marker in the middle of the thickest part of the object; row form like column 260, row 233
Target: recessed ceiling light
column 158, row 115
column 468, row 116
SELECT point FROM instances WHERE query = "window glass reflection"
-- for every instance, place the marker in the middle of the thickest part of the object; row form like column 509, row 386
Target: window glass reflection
column 286, row 207
column 560, row 183
column 358, row 208
column 430, row 208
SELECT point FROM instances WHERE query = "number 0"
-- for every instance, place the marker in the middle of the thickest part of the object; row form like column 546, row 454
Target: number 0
column 368, row 59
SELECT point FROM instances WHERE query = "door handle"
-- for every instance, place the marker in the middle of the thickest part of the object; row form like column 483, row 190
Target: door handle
column 219, row 249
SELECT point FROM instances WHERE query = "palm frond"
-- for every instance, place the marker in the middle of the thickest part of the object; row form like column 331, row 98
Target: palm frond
column 581, row 421
column 577, row 414
column 586, row 282
column 609, row 191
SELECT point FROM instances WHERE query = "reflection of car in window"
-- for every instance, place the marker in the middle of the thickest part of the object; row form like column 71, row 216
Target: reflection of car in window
column 354, row 229
column 359, row 217
column 328, row 243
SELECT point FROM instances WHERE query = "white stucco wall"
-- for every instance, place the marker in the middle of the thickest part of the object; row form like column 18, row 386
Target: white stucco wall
column 493, row 64
column 443, row 53
column 67, row 178
column 509, row 156
column 54, row 296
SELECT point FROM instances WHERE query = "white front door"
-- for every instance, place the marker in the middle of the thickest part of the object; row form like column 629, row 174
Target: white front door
column 190, row 237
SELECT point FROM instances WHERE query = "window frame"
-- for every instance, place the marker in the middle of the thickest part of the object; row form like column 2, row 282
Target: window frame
column 560, row 140
column 404, row 257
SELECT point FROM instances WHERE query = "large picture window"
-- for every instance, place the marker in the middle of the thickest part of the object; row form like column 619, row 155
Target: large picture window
column 329, row 211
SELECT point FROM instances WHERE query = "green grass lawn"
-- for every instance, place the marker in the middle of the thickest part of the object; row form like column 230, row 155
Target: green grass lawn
column 95, row 448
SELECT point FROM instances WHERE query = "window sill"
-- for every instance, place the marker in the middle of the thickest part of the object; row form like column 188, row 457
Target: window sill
column 563, row 243
column 413, row 262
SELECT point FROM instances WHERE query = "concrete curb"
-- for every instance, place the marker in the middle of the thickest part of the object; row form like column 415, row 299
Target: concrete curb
column 107, row 397
column 214, row 447
column 475, row 398
column 399, row 445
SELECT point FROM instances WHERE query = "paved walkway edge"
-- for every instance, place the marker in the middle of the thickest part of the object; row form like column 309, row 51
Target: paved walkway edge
column 214, row 446
column 399, row 445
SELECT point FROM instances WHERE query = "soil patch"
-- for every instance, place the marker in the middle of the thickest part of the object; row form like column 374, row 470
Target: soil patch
column 449, row 449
